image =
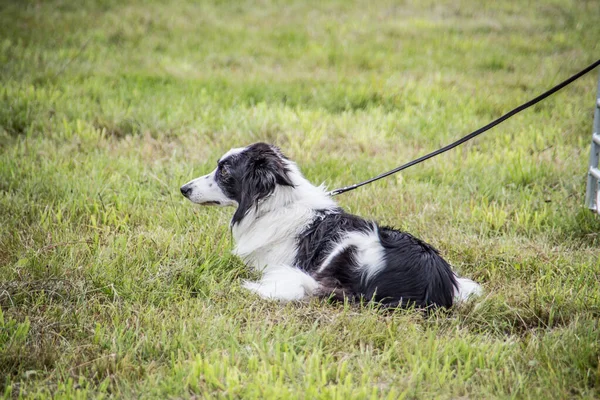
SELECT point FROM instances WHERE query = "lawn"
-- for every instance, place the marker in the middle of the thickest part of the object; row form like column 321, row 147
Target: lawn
column 114, row 285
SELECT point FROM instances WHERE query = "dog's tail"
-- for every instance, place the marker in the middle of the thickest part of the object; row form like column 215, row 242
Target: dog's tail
column 441, row 281
column 465, row 288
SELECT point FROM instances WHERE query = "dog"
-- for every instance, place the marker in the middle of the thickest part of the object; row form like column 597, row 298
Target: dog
column 306, row 246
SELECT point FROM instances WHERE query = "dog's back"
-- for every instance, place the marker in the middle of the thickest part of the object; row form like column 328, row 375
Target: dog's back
column 354, row 258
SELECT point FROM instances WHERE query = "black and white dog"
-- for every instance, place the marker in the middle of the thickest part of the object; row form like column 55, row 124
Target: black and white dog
column 306, row 245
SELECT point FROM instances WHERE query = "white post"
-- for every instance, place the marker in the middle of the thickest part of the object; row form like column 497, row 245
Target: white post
column 592, row 197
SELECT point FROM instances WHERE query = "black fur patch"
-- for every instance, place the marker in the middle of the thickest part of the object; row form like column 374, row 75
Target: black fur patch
column 414, row 273
column 315, row 243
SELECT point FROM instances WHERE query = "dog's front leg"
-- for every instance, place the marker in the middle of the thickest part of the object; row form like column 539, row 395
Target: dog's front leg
column 275, row 290
column 283, row 283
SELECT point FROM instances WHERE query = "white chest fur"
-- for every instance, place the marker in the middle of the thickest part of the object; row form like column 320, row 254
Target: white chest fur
column 266, row 236
column 270, row 239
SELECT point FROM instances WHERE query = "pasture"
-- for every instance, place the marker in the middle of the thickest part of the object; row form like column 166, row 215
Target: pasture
column 114, row 285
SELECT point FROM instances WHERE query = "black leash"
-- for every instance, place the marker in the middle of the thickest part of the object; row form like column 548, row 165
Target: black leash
column 472, row 134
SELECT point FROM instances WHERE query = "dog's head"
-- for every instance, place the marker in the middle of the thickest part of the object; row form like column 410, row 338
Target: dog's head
column 243, row 177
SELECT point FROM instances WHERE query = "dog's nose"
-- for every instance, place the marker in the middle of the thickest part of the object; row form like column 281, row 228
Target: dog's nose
column 185, row 190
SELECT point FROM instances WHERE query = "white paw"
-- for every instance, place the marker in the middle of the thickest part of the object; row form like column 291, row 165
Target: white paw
column 251, row 286
column 283, row 283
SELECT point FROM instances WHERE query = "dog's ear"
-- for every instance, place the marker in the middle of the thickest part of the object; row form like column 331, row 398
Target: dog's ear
column 264, row 172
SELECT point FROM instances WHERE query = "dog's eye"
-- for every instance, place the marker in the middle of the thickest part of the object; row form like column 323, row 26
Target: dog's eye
column 224, row 172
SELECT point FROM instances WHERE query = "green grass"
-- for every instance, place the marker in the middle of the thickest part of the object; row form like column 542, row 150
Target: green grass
column 113, row 285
